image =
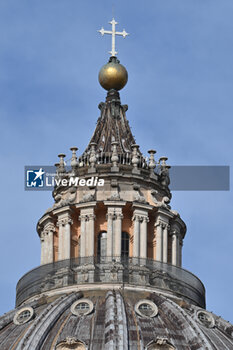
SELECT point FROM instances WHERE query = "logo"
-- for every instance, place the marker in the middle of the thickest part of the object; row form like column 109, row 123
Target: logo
column 35, row 178
column 46, row 178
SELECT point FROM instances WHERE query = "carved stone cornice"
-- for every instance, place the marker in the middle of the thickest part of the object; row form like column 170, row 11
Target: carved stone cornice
column 142, row 206
column 91, row 204
column 63, row 211
column 164, row 214
column 116, row 204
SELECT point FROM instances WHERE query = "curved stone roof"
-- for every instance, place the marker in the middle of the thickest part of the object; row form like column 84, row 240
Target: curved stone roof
column 114, row 324
column 112, row 125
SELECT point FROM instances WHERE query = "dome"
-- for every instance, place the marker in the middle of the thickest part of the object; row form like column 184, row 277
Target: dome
column 122, row 318
column 113, row 75
column 111, row 274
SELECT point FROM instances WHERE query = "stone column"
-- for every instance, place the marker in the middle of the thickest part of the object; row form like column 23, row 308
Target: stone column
column 136, row 246
column 87, row 234
column 49, row 230
column 110, row 218
column 175, row 248
column 60, row 239
column 91, row 235
column 159, row 241
column 83, row 219
column 143, row 237
column 67, row 237
column 165, row 242
column 50, row 246
column 42, row 248
column 180, row 251
column 114, row 229
column 64, row 223
column 117, row 233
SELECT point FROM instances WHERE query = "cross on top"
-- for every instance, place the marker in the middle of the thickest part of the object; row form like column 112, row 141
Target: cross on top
column 113, row 33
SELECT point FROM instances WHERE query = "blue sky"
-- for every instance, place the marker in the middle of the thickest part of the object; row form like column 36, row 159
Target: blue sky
column 179, row 58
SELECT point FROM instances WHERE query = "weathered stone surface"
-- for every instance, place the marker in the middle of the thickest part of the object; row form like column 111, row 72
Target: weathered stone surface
column 114, row 324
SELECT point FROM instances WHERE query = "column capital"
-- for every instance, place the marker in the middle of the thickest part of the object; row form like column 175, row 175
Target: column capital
column 64, row 221
column 175, row 232
column 42, row 236
column 91, row 216
column 87, row 217
column 111, row 216
column 119, row 216
column 68, row 221
column 83, row 217
column 49, row 227
column 158, row 223
column 136, row 217
column 140, row 218
column 44, row 222
column 165, row 225
column 145, row 219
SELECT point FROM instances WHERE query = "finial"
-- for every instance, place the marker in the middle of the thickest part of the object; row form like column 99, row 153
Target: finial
column 92, row 158
column 62, row 162
column 135, row 159
column 152, row 162
column 113, row 75
column 113, row 33
column 162, row 160
column 114, row 157
column 74, row 161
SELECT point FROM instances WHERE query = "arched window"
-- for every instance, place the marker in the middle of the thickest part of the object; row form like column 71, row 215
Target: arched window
column 124, row 245
column 102, row 246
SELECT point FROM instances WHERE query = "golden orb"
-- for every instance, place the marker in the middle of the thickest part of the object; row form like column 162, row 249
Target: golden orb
column 113, row 75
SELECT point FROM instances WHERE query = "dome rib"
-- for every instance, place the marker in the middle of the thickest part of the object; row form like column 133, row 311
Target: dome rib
column 42, row 325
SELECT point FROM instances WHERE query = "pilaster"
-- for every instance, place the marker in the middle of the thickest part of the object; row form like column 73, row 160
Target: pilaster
column 175, row 247
column 47, row 229
column 64, row 223
column 114, row 229
column 87, row 238
column 162, row 229
column 141, row 219
column 159, row 240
